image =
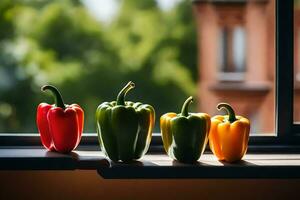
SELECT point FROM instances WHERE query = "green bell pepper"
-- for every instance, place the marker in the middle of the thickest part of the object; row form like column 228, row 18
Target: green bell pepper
column 185, row 135
column 124, row 128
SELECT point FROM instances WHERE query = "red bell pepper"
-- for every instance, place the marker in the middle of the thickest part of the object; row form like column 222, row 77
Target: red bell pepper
column 60, row 125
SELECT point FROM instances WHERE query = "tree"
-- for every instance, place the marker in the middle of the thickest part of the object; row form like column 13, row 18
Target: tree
column 59, row 42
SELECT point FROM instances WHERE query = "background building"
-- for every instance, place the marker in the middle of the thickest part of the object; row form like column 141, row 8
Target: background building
column 236, row 51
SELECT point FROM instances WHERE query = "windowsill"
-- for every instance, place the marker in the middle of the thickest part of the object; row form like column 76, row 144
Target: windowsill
column 228, row 2
column 231, row 76
column 153, row 165
column 243, row 86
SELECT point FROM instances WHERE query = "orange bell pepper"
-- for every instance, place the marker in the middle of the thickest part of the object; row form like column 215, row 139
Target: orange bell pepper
column 229, row 135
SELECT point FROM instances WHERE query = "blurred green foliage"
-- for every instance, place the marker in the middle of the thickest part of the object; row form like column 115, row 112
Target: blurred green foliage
column 60, row 43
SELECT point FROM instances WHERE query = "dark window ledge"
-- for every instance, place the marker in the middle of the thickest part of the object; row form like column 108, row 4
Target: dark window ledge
column 40, row 159
column 153, row 166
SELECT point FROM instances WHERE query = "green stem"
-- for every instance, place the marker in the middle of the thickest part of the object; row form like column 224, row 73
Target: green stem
column 185, row 106
column 229, row 110
column 59, row 102
column 123, row 92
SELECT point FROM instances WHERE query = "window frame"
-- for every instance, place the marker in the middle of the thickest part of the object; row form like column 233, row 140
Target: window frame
column 287, row 133
column 226, row 72
column 228, row 24
column 226, row 39
column 285, row 128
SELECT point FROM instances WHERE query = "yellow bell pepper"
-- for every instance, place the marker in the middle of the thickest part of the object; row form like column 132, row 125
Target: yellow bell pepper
column 185, row 135
column 229, row 135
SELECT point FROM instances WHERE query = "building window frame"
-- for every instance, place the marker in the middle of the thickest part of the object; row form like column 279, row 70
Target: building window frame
column 230, row 20
column 229, row 67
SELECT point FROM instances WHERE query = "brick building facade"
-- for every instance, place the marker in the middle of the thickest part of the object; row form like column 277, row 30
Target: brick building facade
column 236, row 51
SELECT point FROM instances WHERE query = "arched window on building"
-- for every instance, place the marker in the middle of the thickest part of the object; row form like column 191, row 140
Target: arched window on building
column 231, row 46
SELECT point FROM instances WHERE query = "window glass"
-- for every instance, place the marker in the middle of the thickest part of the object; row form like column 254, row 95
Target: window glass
column 215, row 51
column 239, row 47
column 232, row 54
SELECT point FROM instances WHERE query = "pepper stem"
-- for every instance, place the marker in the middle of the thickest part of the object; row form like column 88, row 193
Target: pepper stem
column 121, row 96
column 59, row 102
column 229, row 110
column 185, row 106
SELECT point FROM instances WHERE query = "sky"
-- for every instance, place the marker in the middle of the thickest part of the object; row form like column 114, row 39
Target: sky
column 104, row 10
